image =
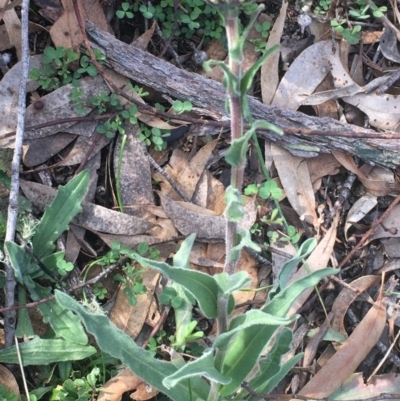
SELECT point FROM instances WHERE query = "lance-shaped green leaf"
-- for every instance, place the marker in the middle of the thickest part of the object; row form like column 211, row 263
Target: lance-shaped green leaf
column 287, row 269
column 245, row 349
column 251, row 318
column 271, row 364
column 202, row 286
column 140, row 361
column 271, row 382
column 203, row 366
column 247, row 29
column 65, row 206
column 236, row 154
column 24, row 324
column 44, row 352
column 234, row 205
column 280, row 305
column 64, row 323
column 229, row 283
column 182, row 257
column 19, row 259
column 248, row 78
column 230, row 81
column 245, row 240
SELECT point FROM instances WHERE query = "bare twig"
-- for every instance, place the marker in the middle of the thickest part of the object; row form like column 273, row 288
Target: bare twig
column 10, row 316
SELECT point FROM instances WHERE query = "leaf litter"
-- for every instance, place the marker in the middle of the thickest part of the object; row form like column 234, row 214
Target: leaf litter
column 306, row 184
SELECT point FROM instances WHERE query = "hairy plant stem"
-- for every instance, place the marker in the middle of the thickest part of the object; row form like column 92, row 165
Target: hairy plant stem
column 235, row 104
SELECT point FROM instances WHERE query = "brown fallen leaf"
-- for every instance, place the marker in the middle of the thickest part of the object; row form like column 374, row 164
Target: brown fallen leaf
column 118, row 385
column 349, row 356
column 128, row 318
column 8, row 380
column 345, row 299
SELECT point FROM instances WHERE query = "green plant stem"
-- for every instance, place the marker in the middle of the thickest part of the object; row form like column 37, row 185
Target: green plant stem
column 235, row 104
column 118, row 183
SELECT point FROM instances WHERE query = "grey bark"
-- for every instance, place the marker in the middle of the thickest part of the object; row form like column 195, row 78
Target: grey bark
column 164, row 77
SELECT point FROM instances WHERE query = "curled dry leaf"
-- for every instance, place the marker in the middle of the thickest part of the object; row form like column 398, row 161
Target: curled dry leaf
column 295, row 178
column 118, row 385
column 379, row 180
column 389, row 226
column 359, row 210
column 349, row 356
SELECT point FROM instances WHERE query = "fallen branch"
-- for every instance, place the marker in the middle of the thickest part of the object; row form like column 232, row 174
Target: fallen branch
column 306, row 135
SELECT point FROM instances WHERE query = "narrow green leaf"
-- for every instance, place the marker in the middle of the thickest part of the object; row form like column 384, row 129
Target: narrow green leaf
column 245, row 349
column 242, row 354
column 202, row 286
column 230, row 81
column 270, row 365
column 236, row 154
column 64, row 323
column 251, row 318
column 182, row 257
column 20, row 260
column 287, row 269
column 43, row 352
column 24, row 325
column 280, row 305
column 65, row 206
column 140, row 361
column 203, row 366
column 273, row 381
column 247, row 29
column 234, row 205
column 230, row 283
column 247, row 80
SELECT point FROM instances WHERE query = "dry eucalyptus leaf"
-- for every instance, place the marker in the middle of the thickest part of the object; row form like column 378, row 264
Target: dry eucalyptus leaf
column 350, row 355
column 208, row 226
column 270, row 67
column 359, row 210
column 118, row 385
column 298, row 82
column 392, row 223
column 135, row 174
column 130, row 319
column 7, row 379
column 81, row 149
column 59, row 105
column 40, row 150
column 9, row 99
column 189, row 177
column 380, row 181
column 295, row 178
column 388, row 45
column 346, row 298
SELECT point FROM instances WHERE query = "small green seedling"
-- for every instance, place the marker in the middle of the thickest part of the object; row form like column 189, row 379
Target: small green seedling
column 170, row 297
column 267, row 189
column 125, row 11
column 181, row 107
column 99, row 291
column 263, row 28
column 153, row 136
column 352, row 35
